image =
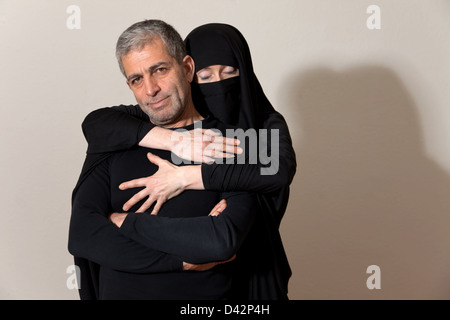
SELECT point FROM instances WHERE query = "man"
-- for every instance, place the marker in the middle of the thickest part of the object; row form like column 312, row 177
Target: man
column 145, row 257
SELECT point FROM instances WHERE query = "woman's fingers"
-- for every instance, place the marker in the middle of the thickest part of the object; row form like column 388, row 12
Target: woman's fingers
column 141, row 182
column 204, row 144
column 147, row 204
column 158, row 206
column 156, row 160
column 135, row 199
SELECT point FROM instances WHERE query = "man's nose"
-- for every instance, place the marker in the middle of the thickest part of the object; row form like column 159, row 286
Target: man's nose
column 151, row 87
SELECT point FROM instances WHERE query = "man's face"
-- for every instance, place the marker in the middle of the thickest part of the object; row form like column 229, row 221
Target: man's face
column 160, row 84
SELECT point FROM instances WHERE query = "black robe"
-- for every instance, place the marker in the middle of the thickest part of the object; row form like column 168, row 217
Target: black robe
column 265, row 272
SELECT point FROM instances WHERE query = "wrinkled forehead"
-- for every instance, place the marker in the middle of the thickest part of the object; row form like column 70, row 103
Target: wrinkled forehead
column 212, row 46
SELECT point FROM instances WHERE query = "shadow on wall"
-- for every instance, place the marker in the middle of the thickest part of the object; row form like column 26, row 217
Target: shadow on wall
column 365, row 192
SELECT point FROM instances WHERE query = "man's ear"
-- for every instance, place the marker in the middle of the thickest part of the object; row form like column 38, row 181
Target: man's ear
column 189, row 68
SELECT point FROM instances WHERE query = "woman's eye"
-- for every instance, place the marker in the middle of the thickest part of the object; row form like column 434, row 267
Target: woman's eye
column 230, row 70
column 204, row 75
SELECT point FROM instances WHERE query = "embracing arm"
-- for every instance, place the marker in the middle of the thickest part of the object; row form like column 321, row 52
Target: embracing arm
column 252, row 177
column 199, row 239
column 123, row 127
column 249, row 176
column 115, row 128
column 92, row 236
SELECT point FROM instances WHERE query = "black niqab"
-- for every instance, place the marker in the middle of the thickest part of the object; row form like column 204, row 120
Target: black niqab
column 222, row 44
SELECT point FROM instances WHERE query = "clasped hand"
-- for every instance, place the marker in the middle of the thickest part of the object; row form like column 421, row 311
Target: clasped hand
column 203, row 145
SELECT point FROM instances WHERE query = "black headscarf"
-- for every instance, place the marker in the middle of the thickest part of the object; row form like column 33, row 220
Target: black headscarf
column 262, row 269
column 238, row 101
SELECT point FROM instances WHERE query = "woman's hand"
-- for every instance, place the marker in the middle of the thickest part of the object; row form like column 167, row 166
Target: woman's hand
column 166, row 183
column 203, row 145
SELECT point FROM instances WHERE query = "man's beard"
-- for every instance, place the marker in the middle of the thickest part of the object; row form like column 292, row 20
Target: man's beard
column 165, row 115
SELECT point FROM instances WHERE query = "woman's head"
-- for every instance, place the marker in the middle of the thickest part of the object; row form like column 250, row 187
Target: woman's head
column 226, row 85
column 214, row 44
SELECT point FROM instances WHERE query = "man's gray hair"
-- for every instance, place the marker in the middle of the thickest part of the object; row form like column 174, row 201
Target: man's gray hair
column 142, row 33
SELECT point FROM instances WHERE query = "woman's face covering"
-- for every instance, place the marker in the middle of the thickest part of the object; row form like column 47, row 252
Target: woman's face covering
column 219, row 88
column 224, row 85
column 216, row 73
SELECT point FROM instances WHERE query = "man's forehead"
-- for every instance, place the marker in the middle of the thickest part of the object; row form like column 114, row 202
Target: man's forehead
column 152, row 53
column 152, row 47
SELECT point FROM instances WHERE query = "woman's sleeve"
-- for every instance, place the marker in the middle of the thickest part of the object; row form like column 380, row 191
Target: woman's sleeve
column 258, row 175
column 200, row 239
column 93, row 237
column 115, row 128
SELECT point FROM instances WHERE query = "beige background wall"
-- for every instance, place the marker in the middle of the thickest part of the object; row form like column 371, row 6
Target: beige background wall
column 368, row 112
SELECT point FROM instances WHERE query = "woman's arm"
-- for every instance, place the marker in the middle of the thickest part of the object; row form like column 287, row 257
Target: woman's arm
column 251, row 177
column 170, row 180
column 123, row 127
column 115, row 128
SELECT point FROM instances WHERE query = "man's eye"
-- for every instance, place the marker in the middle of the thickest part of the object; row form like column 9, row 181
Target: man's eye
column 136, row 81
column 161, row 70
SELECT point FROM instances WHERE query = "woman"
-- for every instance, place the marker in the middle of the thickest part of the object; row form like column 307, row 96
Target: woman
column 226, row 88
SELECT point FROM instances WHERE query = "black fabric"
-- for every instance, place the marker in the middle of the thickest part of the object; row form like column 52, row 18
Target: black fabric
column 142, row 259
column 217, row 44
column 128, row 125
column 111, row 129
column 106, row 122
column 220, row 99
column 266, row 266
